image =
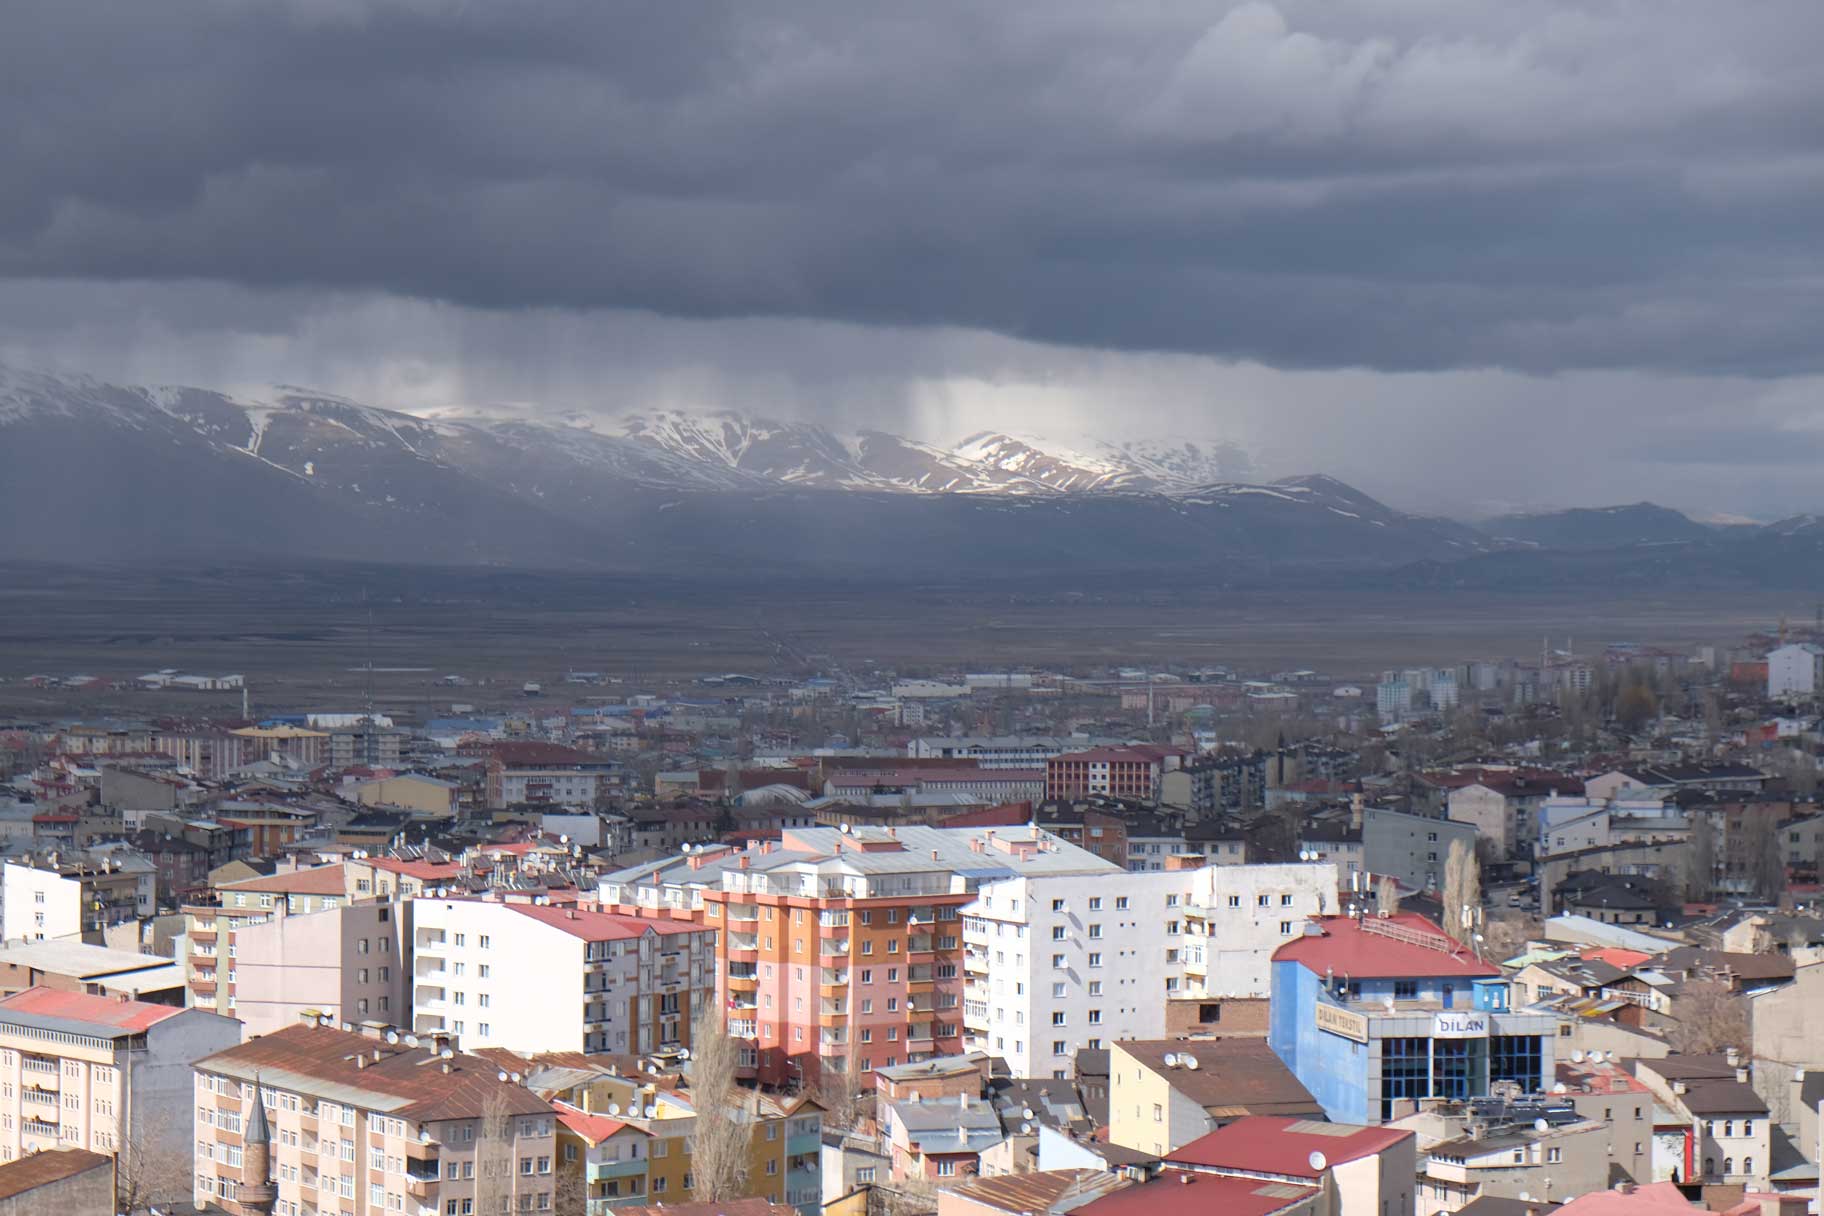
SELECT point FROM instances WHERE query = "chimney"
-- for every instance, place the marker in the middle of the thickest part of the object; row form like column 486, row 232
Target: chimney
column 1624, row 1188
column 1734, row 1056
column 1356, row 804
column 744, row 863
column 1186, row 1179
column 962, row 1101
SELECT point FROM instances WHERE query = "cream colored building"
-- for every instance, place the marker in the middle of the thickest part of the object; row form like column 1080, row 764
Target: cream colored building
column 210, row 926
column 347, row 962
column 372, row 1121
column 1165, row 1093
column 100, row 1073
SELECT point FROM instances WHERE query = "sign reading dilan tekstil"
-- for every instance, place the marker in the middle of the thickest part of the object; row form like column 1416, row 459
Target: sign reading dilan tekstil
column 1342, row 1021
column 1460, row 1024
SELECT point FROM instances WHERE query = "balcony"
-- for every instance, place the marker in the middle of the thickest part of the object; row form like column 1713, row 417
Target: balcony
column 31, row 1125
column 833, row 981
column 428, row 994
column 602, row 1171
column 804, row 1144
column 975, row 961
column 430, row 966
column 743, row 948
column 923, row 944
column 39, row 1097
column 833, row 947
column 738, row 984
column 743, row 914
column 833, row 1037
column 38, row 1066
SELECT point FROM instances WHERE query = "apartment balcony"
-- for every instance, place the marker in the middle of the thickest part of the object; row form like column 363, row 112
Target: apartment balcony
column 602, row 1171
column 38, row 1066
column 743, row 1002
column 833, row 981
column 738, row 984
column 921, row 1004
column 834, row 1037
column 837, row 1007
column 742, row 914
column 743, row 948
column 46, row 1098
column 31, row 1125
column 920, row 1037
column 428, row 965
column 833, row 947
column 805, row 1144
column 921, row 946
column 428, row 994
column 975, row 962
column 429, row 939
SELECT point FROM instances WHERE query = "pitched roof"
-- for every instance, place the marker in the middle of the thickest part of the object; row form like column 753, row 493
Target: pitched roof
column 1345, row 945
column 1654, row 1199
column 593, row 1128
column 41, row 1169
column 727, row 1207
column 1234, row 1076
column 601, row 926
column 317, row 880
column 1041, row 1191
column 1177, row 1193
column 104, row 1014
column 356, row 1070
column 1275, row 1145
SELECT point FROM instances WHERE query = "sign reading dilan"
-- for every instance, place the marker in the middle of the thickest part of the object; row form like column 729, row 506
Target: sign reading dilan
column 1342, row 1021
column 1460, row 1024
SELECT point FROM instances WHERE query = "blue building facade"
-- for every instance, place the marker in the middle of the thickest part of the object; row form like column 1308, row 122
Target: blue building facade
column 1400, row 1019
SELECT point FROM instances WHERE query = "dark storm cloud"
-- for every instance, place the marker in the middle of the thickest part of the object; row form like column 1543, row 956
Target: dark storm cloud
column 1397, row 184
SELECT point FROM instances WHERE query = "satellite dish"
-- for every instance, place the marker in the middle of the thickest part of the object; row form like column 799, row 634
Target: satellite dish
column 1171, row 1059
column 1526, row 1196
column 1189, row 1061
column 683, row 1053
column 1540, row 1125
column 392, row 1036
column 1025, row 1129
column 846, row 829
column 651, row 1110
column 1561, row 1088
column 1317, row 1162
column 501, row 1075
column 1577, row 1057
column 685, row 847
column 614, row 1108
column 1026, row 1113
column 447, row 1054
column 411, row 1040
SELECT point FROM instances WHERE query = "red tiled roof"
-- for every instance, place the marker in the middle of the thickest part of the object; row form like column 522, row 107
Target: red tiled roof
column 601, row 926
column 1649, row 1200
column 318, row 880
column 593, row 1128
column 1346, row 946
column 1271, row 1144
column 42, row 1169
column 1179, row 1193
column 81, row 1007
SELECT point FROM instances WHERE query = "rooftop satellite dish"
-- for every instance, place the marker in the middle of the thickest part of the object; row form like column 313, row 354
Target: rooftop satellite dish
column 614, row 1108
column 685, row 847
column 1025, row 1129
column 846, row 829
column 1026, row 1113
column 1540, row 1125
column 392, row 1036
column 1577, row 1057
column 517, row 1078
column 1561, row 1088
column 1171, row 1059
column 651, row 1110
column 683, row 1053
column 1317, row 1161
column 1188, row 1060
column 501, row 1075
column 564, row 839
column 411, row 1040
column 447, row 1053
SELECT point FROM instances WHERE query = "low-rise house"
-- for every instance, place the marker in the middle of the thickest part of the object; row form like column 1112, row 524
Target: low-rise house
column 940, row 1139
column 1165, row 1093
column 1727, row 1136
column 1039, row 1193
column 73, row 1181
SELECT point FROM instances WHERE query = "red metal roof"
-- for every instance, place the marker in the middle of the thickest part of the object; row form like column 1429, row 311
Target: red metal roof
column 1348, row 946
column 81, row 1007
column 1272, row 1144
column 601, row 926
column 418, row 869
column 1179, row 1193
column 593, row 1128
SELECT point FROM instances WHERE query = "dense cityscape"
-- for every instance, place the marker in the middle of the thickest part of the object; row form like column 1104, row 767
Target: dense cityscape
column 1494, row 937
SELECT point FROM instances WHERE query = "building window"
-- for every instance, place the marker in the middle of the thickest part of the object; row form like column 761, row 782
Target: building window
column 1095, row 959
column 1405, row 990
column 1405, row 1067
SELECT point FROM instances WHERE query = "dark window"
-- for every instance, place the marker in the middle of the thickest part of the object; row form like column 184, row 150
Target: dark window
column 1405, row 1071
column 1209, row 1014
column 1454, row 1067
column 1515, row 1057
column 1405, row 990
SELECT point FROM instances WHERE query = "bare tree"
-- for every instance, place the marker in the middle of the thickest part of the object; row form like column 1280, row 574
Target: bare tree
column 494, row 1153
column 570, row 1187
column 1387, row 896
column 720, row 1139
column 1770, row 867
column 1709, row 1018
column 149, row 1175
column 838, row 1091
column 1462, row 891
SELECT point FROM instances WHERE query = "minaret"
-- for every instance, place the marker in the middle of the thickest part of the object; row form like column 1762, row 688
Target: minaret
column 257, row 1195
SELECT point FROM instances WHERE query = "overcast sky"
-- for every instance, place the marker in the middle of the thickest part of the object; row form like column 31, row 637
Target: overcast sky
column 1465, row 253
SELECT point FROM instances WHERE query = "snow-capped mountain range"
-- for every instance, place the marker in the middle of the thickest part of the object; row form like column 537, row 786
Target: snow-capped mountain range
column 105, row 472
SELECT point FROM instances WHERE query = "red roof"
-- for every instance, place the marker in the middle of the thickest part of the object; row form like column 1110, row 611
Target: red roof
column 593, row 1128
column 1348, row 946
column 1649, row 1200
column 81, row 1007
column 1272, row 1144
column 600, row 926
column 1617, row 956
column 1179, row 1193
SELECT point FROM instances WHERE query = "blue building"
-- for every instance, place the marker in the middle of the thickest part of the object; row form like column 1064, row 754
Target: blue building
column 1374, row 1013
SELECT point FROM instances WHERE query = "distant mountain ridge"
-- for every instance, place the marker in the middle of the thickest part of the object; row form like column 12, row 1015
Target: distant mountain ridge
column 98, row 472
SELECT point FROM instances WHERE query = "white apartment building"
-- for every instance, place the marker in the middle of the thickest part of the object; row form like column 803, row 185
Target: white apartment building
column 535, row 977
column 1055, row 964
column 99, row 1073
column 370, row 1122
column 1795, row 670
column 67, row 898
column 993, row 751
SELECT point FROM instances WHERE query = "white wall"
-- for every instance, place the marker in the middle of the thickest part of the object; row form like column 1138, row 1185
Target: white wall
column 530, row 974
column 40, row 905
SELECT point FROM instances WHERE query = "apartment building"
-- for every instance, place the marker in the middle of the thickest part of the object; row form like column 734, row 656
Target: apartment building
column 629, row 1143
column 1067, row 962
column 369, row 1121
column 211, row 925
column 348, row 962
column 101, row 1073
column 530, row 771
column 1112, row 772
column 70, row 897
column 537, row 976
